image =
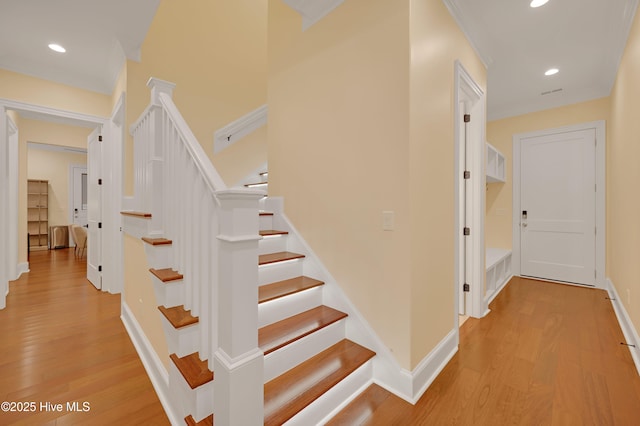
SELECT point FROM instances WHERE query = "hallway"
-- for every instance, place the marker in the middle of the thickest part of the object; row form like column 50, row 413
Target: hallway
column 62, row 341
column 547, row 354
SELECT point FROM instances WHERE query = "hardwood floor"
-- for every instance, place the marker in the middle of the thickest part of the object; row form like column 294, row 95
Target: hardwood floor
column 547, row 354
column 61, row 340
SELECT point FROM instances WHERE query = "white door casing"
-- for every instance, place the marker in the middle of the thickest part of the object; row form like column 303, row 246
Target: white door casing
column 559, row 180
column 94, row 213
column 471, row 97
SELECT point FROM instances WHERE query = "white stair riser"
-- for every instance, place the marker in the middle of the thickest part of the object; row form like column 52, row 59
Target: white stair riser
column 159, row 257
column 284, row 359
column 279, row 271
column 272, row 244
column 336, row 398
column 197, row 402
column 136, row 226
column 266, row 222
column 181, row 341
column 169, row 294
column 285, row 307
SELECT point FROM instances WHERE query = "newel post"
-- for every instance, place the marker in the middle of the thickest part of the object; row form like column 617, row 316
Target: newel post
column 154, row 157
column 238, row 361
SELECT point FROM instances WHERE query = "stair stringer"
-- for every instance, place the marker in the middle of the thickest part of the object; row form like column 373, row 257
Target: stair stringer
column 386, row 371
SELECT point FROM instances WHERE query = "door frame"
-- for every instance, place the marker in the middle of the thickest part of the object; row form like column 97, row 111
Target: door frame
column 471, row 95
column 112, row 161
column 600, row 130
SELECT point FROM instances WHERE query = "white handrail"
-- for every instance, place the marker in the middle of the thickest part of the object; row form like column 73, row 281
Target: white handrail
column 213, row 179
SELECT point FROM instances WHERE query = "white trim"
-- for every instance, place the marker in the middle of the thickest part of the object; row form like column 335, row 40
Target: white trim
column 465, row 24
column 430, row 367
column 22, row 268
column 467, row 91
column 112, row 174
column 628, row 329
column 55, row 148
column 45, row 113
column 13, row 187
column 232, row 364
column 236, row 130
column 600, row 129
column 152, row 364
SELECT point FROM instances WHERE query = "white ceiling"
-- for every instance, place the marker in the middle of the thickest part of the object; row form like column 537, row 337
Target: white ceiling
column 98, row 36
column 585, row 39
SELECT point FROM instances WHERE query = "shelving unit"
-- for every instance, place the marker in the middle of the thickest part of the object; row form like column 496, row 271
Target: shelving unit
column 495, row 165
column 498, row 264
column 38, row 214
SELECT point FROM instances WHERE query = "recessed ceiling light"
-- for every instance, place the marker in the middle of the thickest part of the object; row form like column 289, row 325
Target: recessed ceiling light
column 552, row 71
column 538, row 3
column 57, row 48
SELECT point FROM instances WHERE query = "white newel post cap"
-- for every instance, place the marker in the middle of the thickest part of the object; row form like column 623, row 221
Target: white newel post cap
column 158, row 86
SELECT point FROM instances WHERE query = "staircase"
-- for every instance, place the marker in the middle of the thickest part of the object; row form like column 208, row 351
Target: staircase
column 310, row 368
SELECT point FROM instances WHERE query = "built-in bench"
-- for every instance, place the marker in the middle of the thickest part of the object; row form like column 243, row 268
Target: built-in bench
column 498, row 263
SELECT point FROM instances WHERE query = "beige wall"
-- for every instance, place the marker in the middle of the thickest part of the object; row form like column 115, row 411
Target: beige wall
column 623, row 175
column 216, row 53
column 498, row 221
column 436, row 43
column 140, row 297
column 23, row 88
column 338, row 149
column 361, row 122
column 53, row 166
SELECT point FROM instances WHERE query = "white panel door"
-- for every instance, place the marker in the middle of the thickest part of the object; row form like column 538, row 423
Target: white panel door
column 557, row 232
column 80, row 196
column 94, row 209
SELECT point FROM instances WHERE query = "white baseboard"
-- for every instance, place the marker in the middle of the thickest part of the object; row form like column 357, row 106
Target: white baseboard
column 152, row 364
column 426, row 372
column 22, row 268
column 628, row 329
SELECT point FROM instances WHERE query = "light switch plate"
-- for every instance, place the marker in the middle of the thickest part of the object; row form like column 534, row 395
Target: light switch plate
column 388, row 221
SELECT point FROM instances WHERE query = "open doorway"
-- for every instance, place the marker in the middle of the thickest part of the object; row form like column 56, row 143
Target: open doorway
column 110, row 159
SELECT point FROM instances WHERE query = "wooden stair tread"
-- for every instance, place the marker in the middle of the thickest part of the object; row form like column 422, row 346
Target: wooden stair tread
column 207, row 421
column 264, row 173
column 269, row 232
column 136, row 214
column 265, row 213
column 294, row 390
column 166, row 275
column 157, row 241
column 281, row 256
column 249, row 185
column 195, row 371
column 178, row 316
column 274, row 336
column 279, row 289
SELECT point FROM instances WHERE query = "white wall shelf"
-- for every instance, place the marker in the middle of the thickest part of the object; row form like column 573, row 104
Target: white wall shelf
column 496, row 167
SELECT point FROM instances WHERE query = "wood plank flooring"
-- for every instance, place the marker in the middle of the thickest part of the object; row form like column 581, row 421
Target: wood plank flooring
column 61, row 340
column 547, row 354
